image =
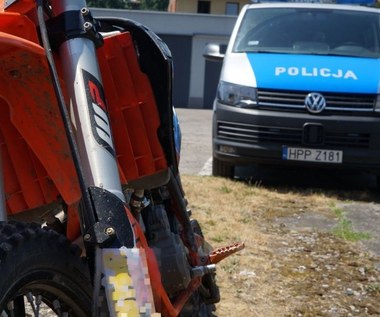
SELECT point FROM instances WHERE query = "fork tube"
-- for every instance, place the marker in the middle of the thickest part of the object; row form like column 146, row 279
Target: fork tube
column 89, row 111
column 3, row 209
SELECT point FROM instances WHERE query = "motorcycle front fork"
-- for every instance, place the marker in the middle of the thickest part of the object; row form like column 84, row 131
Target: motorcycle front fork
column 90, row 117
column 106, row 228
column 90, row 122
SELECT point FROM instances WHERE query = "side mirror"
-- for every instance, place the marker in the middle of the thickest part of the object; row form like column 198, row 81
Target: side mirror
column 214, row 52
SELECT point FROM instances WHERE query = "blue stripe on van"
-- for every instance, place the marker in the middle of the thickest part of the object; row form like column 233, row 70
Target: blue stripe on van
column 316, row 73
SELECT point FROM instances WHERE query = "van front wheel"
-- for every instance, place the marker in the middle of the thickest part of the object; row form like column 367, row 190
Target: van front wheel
column 377, row 182
column 223, row 169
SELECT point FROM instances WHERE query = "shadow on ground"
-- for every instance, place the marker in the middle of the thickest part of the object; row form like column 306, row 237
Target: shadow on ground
column 351, row 185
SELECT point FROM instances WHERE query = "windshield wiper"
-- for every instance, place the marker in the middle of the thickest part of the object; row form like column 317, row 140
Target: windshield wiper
column 265, row 51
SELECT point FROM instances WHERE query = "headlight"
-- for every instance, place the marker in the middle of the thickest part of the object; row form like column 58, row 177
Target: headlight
column 236, row 95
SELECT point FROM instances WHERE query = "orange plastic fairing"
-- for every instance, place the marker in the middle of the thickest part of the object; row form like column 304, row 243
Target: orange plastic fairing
column 23, row 7
column 132, row 109
column 37, row 163
column 36, row 159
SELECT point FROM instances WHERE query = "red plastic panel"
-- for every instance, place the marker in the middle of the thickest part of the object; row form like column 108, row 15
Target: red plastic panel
column 27, row 183
column 132, row 108
column 37, row 164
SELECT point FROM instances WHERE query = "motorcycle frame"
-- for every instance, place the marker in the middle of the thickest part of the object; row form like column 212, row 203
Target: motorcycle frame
column 91, row 187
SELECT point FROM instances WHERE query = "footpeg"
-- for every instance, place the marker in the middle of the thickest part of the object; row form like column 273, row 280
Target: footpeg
column 220, row 254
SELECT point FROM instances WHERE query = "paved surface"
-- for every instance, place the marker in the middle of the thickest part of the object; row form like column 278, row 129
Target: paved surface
column 196, row 141
column 365, row 217
column 363, row 213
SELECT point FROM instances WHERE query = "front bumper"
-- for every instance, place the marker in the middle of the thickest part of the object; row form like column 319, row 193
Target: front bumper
column 246, row 136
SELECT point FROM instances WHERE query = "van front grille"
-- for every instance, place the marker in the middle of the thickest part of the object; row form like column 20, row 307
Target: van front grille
column 281, row 100
column 254, row 134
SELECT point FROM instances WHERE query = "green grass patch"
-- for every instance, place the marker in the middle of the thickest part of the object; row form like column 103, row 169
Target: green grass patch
column 217, row 239
column 373, row 288
column 225, row 189
column 344, row 229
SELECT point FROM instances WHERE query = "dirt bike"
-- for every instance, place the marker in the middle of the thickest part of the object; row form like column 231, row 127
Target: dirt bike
column 93, row 216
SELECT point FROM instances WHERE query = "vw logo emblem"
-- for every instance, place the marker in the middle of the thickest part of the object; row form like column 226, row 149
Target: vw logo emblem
column 315, row 102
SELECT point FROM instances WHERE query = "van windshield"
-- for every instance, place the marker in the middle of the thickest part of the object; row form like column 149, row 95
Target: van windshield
column 309, row 31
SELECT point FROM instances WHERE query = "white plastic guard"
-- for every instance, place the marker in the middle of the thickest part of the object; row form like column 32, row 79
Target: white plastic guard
column 127, row 283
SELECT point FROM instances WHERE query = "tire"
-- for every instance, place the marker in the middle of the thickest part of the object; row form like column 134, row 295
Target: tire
column 196, row 307
column 377, row 183
column 42, row 265
column 222, row 169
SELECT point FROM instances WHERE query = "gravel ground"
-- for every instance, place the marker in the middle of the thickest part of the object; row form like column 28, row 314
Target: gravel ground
column 294, row 263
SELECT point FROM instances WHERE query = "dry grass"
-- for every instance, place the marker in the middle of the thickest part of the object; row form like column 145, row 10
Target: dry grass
column 282, row 271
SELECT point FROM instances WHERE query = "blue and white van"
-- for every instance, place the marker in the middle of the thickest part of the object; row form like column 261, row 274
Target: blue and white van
column 299, row 86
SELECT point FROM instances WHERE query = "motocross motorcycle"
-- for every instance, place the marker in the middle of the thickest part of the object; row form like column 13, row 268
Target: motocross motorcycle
column 93, row 216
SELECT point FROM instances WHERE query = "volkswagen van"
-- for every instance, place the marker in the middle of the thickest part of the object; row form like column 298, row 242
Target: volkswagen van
column 299, row 86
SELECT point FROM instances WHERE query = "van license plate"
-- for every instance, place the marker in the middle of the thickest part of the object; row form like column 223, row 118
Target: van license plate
column 312, row 155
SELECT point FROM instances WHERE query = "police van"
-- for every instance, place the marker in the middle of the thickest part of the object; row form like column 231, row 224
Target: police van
column 299, row 86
